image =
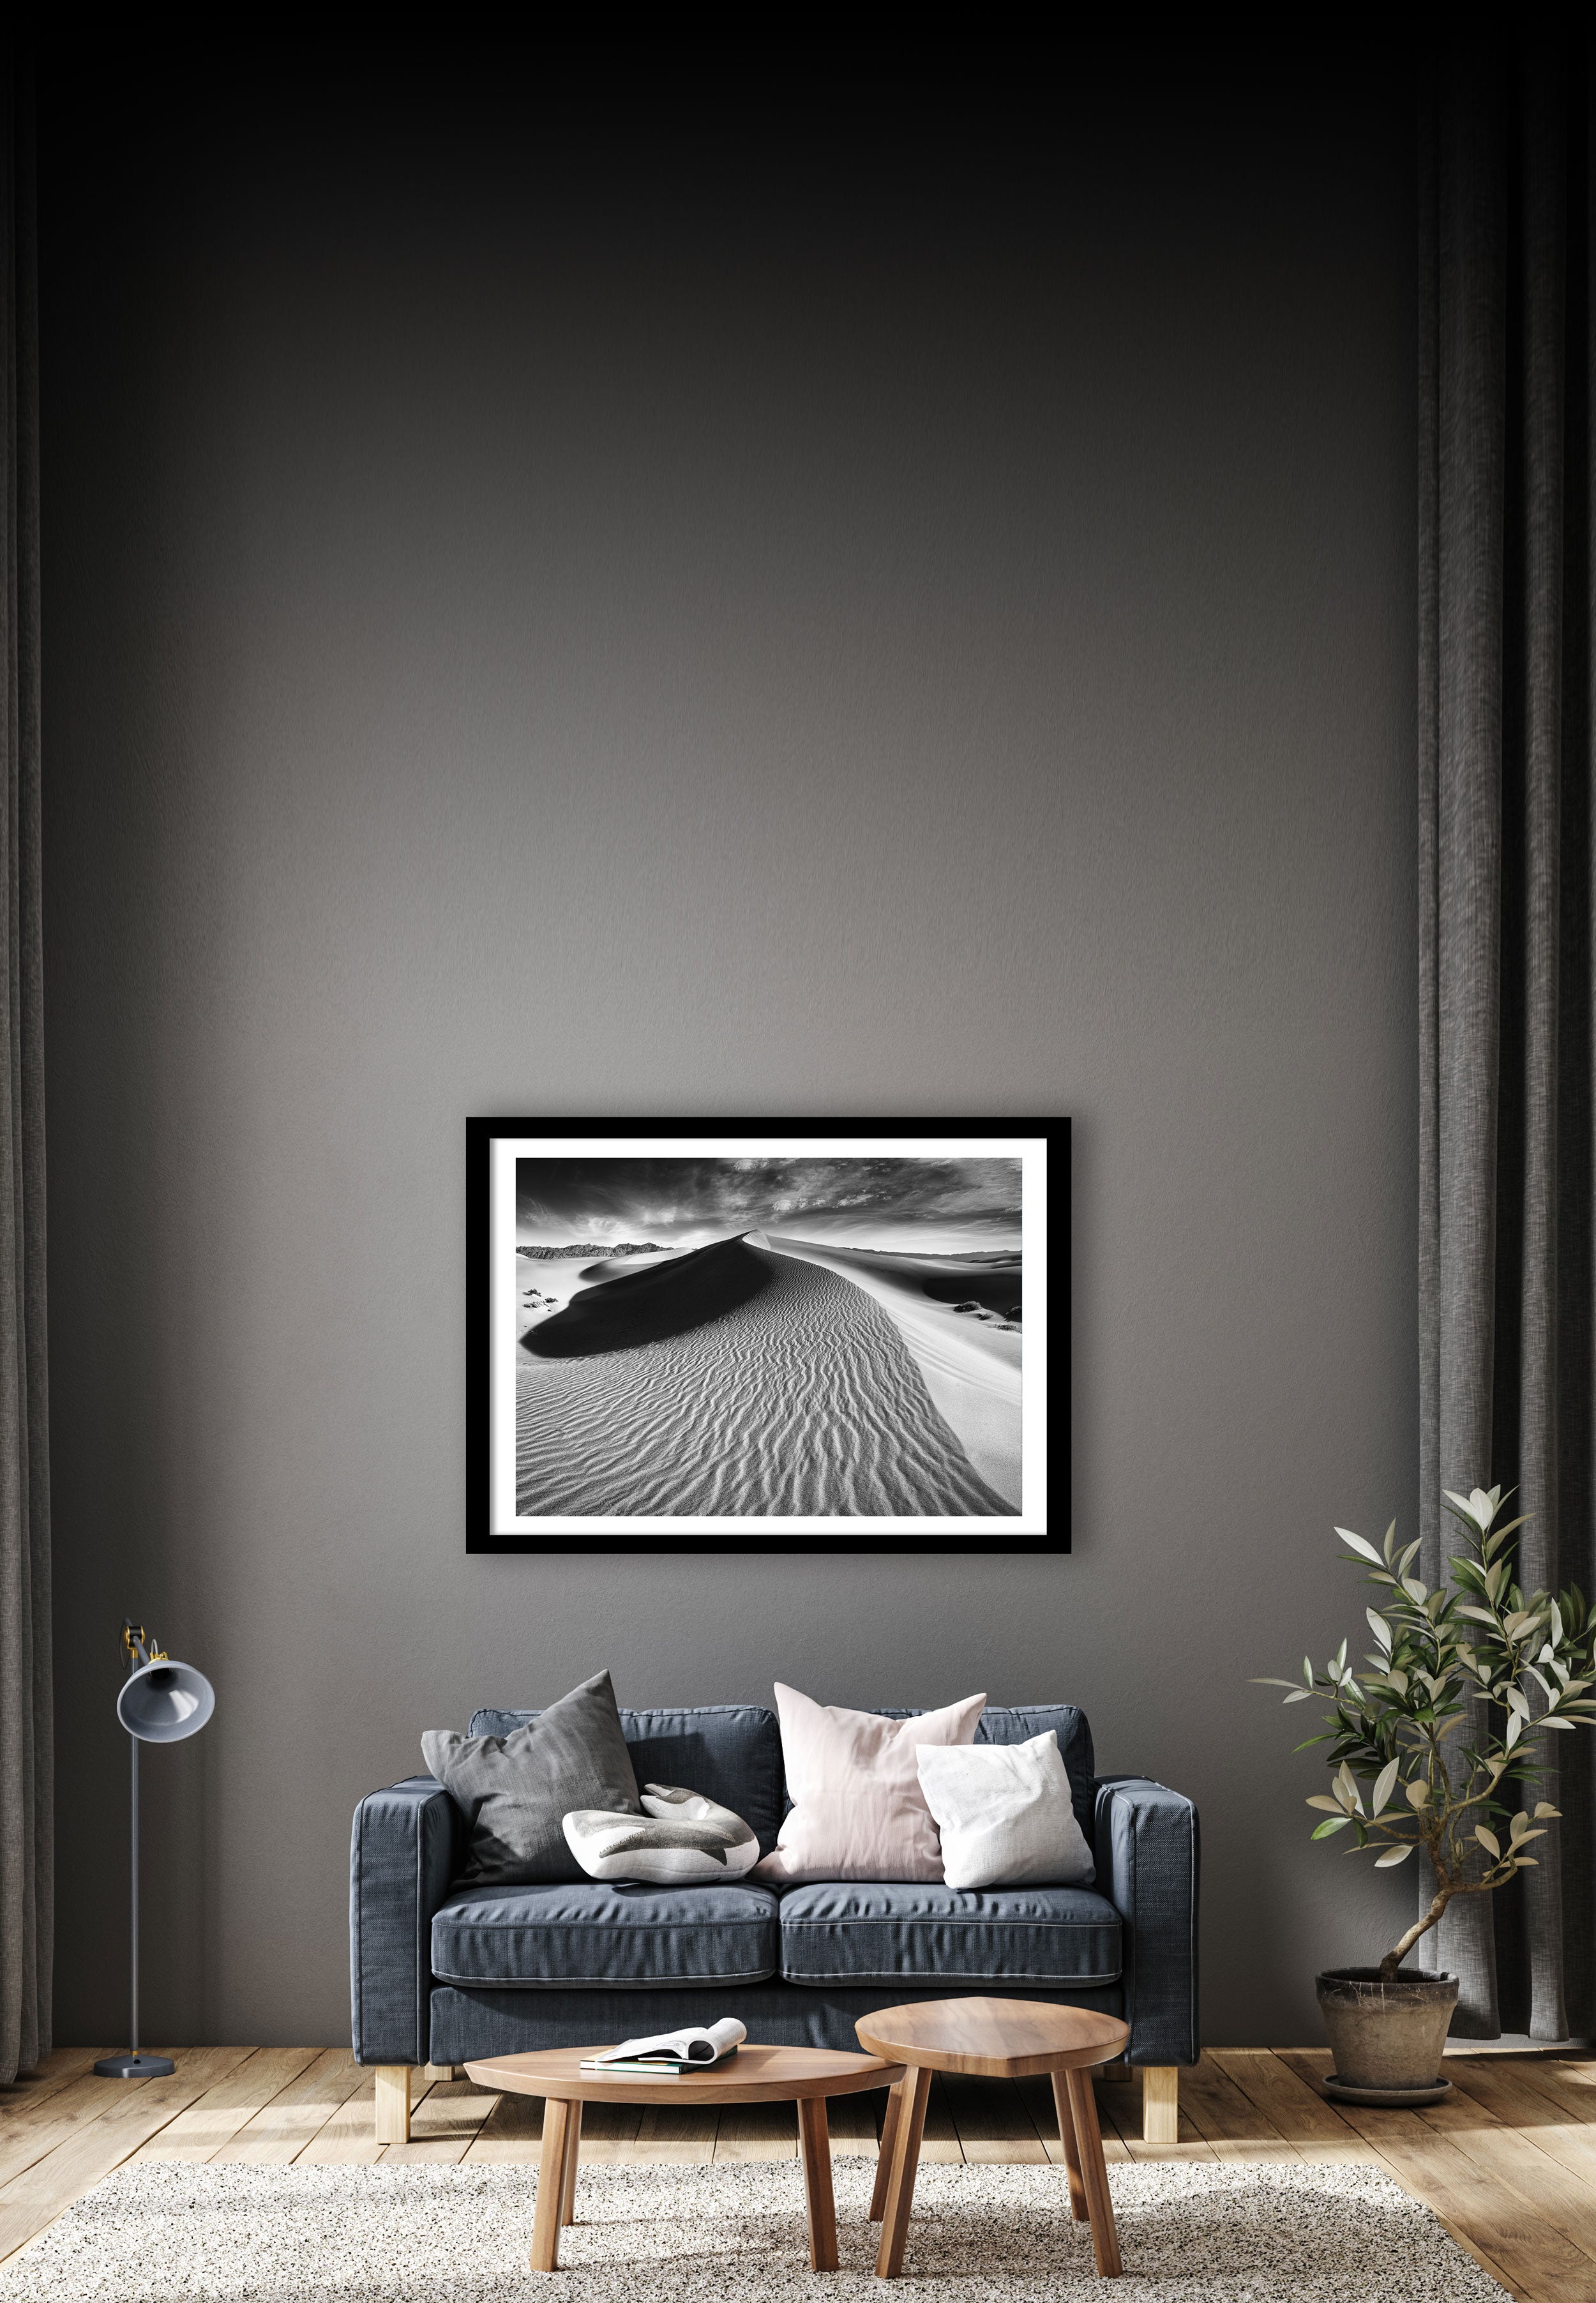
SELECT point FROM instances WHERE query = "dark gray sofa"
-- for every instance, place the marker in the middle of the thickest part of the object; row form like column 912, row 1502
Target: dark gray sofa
column 441, row 1974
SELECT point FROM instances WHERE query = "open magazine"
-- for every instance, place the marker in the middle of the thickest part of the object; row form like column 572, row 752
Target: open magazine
column 696, row 2047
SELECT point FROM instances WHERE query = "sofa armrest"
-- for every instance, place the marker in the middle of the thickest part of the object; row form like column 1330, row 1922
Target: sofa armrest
column 404, row 1849
column 1147, row 1855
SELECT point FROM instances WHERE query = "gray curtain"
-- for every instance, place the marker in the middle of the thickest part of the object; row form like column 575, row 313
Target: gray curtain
column 1506, row 1152
column 26, row 1918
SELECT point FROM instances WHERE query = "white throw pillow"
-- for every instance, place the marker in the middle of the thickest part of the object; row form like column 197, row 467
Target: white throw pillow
column 679, row 1835
column 1005, row 1814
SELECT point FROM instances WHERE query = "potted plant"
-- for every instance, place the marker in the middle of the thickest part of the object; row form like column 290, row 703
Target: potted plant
column 1434, row 1744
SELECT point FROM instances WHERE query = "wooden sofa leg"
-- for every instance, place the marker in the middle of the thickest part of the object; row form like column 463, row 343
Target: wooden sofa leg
column 393, row 2103
column 1160, row 2103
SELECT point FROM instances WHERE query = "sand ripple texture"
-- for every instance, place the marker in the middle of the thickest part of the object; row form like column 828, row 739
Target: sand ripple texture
column 801, row 1401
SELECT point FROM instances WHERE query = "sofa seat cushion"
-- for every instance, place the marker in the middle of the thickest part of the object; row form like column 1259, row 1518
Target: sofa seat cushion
column 851, row 1931
column 606, row 1935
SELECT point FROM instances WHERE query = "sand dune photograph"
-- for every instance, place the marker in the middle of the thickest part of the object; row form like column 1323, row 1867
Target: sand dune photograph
column 769, row 1341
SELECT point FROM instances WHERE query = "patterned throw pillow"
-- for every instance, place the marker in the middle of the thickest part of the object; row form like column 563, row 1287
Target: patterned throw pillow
column 679, row 1835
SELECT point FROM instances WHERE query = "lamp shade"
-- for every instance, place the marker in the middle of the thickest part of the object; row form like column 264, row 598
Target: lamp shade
column 163, row 1702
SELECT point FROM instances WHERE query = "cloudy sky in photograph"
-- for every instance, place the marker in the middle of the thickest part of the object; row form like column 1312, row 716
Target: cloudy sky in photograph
column 936, row 1206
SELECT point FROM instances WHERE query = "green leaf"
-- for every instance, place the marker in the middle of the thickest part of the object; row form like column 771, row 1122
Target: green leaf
column 1488, row 1840
column 1365, row 1550
column 1544, row 1808
column 1297, row 1695
column 1323, row 1800
column 1418, row 1792
column 1335, row 1822
column 1394, row 1855
column 1390, row 1537
column 1380, row 1797
column 1381, row 1629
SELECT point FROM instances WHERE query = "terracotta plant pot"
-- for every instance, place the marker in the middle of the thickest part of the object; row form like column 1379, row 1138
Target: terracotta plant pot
column 1386, row 2037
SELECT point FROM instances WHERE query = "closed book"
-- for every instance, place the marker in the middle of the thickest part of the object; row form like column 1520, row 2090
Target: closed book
column 657, row 2068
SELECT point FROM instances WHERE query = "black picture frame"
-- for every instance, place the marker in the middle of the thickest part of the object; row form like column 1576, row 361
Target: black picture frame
column 1048, row 1140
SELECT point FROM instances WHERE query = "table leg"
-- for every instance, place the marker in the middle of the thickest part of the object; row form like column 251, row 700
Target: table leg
column 568, row 2187
column 814, row 2147
column 1072, row 2155
column 884, row 2158
column 551, row 2185
column 1094, row 2175
column 914, row 2088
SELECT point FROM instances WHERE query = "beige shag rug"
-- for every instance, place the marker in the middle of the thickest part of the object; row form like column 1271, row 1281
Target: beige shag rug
column 1236, row 2234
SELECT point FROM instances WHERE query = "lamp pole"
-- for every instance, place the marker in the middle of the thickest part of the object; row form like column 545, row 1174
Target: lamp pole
column 133, row 1747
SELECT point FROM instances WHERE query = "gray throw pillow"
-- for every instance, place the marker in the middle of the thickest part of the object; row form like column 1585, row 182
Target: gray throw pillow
column 515, row 1791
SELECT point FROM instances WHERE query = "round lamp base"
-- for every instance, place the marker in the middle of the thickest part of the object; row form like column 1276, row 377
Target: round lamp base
column 134, row 2067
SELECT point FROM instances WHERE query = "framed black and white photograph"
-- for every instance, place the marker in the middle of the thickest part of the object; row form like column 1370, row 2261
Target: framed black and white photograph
column 821, row 1336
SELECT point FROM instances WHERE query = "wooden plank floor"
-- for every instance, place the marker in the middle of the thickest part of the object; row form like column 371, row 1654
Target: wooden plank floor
column 1509, row 2164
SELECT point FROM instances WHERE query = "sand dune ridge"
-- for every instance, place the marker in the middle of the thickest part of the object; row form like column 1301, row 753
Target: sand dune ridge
column 799, row 1399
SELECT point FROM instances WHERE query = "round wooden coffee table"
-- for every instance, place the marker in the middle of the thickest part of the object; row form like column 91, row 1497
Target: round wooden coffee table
column 806, row 2076
column 997, row 2039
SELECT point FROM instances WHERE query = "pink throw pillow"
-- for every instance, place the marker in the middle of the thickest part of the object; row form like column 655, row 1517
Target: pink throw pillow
column 857, row 1809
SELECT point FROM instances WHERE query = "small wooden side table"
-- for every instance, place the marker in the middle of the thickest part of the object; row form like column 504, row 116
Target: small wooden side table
column 806, row 2076
column 999, row 2040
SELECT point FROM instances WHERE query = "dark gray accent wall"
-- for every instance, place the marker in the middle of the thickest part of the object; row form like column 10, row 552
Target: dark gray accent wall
column 908, row 614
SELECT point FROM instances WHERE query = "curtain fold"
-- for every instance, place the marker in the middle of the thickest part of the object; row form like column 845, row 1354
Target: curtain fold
column 1506, row 1060
column 27, row 1881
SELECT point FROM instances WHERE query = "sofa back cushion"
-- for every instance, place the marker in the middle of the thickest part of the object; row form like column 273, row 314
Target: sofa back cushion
column 731, row 1752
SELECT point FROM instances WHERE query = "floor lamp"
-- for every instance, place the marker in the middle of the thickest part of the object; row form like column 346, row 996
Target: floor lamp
column 160, row 1702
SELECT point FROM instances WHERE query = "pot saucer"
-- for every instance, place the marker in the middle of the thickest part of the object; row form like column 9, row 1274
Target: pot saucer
column 1393, row 2099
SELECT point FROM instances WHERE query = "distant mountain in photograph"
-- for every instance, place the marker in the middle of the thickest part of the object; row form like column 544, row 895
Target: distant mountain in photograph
column 597, row 1247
